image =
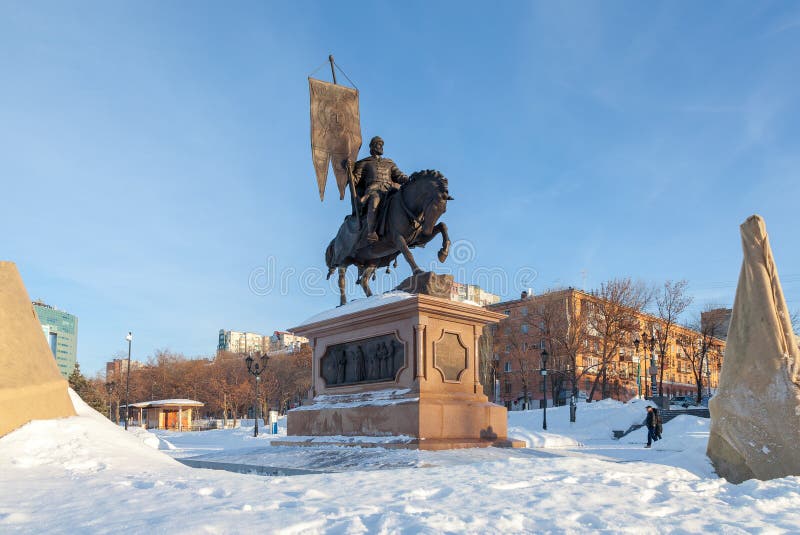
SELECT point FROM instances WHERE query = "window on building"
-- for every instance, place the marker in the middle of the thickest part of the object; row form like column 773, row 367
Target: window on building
column 524, row 328
column 508, row 387
column 507, row 367
column 524, row 311
column 507, row 312
column 541, row 344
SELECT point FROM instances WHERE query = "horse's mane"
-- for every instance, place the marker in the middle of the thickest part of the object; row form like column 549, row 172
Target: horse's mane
column 428, row 174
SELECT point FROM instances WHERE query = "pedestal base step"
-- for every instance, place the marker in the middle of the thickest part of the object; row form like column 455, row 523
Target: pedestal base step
column 403, row 443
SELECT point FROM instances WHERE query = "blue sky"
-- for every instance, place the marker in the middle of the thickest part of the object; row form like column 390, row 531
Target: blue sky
column 156, row 171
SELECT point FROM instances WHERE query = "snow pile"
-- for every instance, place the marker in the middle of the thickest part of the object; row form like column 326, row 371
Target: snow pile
column 359, row 305
column 377, row 398
column 81, row 444
column 342, row 439
column 597, row 420
column 86, row 475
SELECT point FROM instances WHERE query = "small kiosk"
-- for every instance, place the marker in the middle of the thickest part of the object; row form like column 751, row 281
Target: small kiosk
column 172, row 414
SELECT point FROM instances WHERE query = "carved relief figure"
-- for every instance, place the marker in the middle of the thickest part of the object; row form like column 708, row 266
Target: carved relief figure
column 370, row 365
column 382, row 354
column 358, row 364
column 341, row 369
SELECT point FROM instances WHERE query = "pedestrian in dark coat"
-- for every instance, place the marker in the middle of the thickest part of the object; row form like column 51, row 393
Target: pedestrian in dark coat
column 659, row 424
column 650, row 423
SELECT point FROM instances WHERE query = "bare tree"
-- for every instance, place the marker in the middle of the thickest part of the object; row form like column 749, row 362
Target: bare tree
column 612, row 318
column 562, row 323
column 288, row 378
column 671, row 302
column 514, row 338
column 699, row 348
column 486, row 362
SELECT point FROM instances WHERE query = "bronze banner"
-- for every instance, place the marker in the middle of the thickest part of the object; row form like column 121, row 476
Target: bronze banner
column 335, row 131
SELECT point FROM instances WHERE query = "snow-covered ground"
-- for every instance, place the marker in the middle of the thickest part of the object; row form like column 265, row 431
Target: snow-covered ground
column 85, row 475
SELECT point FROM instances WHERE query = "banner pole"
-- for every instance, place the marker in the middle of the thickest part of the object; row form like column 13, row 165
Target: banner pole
column 333, row 72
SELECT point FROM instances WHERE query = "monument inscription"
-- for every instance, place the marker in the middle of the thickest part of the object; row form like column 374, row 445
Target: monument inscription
column 450, row 356
column 363, row 361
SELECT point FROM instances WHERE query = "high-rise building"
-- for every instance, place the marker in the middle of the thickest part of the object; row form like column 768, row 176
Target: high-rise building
column 61, row 331
column 472, row 293
column 286, row 342
column 115, row 369
column 242, row 342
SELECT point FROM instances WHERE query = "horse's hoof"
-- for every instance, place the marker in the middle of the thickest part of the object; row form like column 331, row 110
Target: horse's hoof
column 442, row 256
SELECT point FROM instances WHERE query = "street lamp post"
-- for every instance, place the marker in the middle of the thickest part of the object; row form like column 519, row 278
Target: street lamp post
column 644, row 355
column 544, row 386
column 129, row 338
column 109, row 389
column 651, row 342
column 256, row 368
column 572, row 402
column 638, row 367
column 708, row 377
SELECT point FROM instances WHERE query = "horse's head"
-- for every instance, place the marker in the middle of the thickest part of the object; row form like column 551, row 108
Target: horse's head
column 433, row 196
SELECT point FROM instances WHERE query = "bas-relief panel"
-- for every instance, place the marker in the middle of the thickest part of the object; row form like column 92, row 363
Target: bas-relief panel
column 363, row 361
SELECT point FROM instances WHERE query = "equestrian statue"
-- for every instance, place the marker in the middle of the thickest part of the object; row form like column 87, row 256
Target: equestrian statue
column 391, row 213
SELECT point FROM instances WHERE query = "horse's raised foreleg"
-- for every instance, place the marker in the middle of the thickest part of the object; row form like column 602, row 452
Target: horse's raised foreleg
column 400, row 241
column 445, row 250
column 439, row 228
column 364, row 279
column 342, row 295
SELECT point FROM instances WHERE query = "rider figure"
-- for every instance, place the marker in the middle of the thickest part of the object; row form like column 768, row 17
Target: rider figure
column 380, row 176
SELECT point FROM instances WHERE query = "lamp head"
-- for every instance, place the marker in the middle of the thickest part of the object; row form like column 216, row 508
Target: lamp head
column 636, row 343
column 129, row 337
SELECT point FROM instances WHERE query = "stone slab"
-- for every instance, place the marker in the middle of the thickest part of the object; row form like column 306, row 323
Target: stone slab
column 31, row 387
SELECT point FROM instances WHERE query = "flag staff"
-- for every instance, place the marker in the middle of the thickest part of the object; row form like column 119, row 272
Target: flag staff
column 333, row 72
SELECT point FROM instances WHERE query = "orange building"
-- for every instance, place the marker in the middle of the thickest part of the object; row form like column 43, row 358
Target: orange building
column 594, row 360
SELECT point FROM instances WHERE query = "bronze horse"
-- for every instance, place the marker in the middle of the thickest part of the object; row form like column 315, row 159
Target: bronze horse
column 409, row 219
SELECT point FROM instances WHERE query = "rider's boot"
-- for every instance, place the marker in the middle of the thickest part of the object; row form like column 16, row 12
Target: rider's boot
column 372, row 236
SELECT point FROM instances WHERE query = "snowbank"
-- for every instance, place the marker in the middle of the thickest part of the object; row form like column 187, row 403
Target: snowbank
column 86, row 475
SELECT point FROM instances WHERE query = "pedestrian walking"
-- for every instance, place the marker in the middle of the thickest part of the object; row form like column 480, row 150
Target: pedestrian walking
column 659, row 424
column 650, row 423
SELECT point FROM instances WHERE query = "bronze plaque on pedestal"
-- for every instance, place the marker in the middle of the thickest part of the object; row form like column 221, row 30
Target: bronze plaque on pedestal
column 450, row 356
column 363, row 361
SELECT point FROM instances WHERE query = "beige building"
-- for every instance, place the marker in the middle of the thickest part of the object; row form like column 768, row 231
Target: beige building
column 117, row 367
column 284, row 341
column 471, row 293
column 242, row 342
column 537, row 322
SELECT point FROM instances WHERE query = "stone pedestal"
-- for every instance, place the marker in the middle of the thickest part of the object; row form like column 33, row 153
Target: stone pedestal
column 400, row 365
